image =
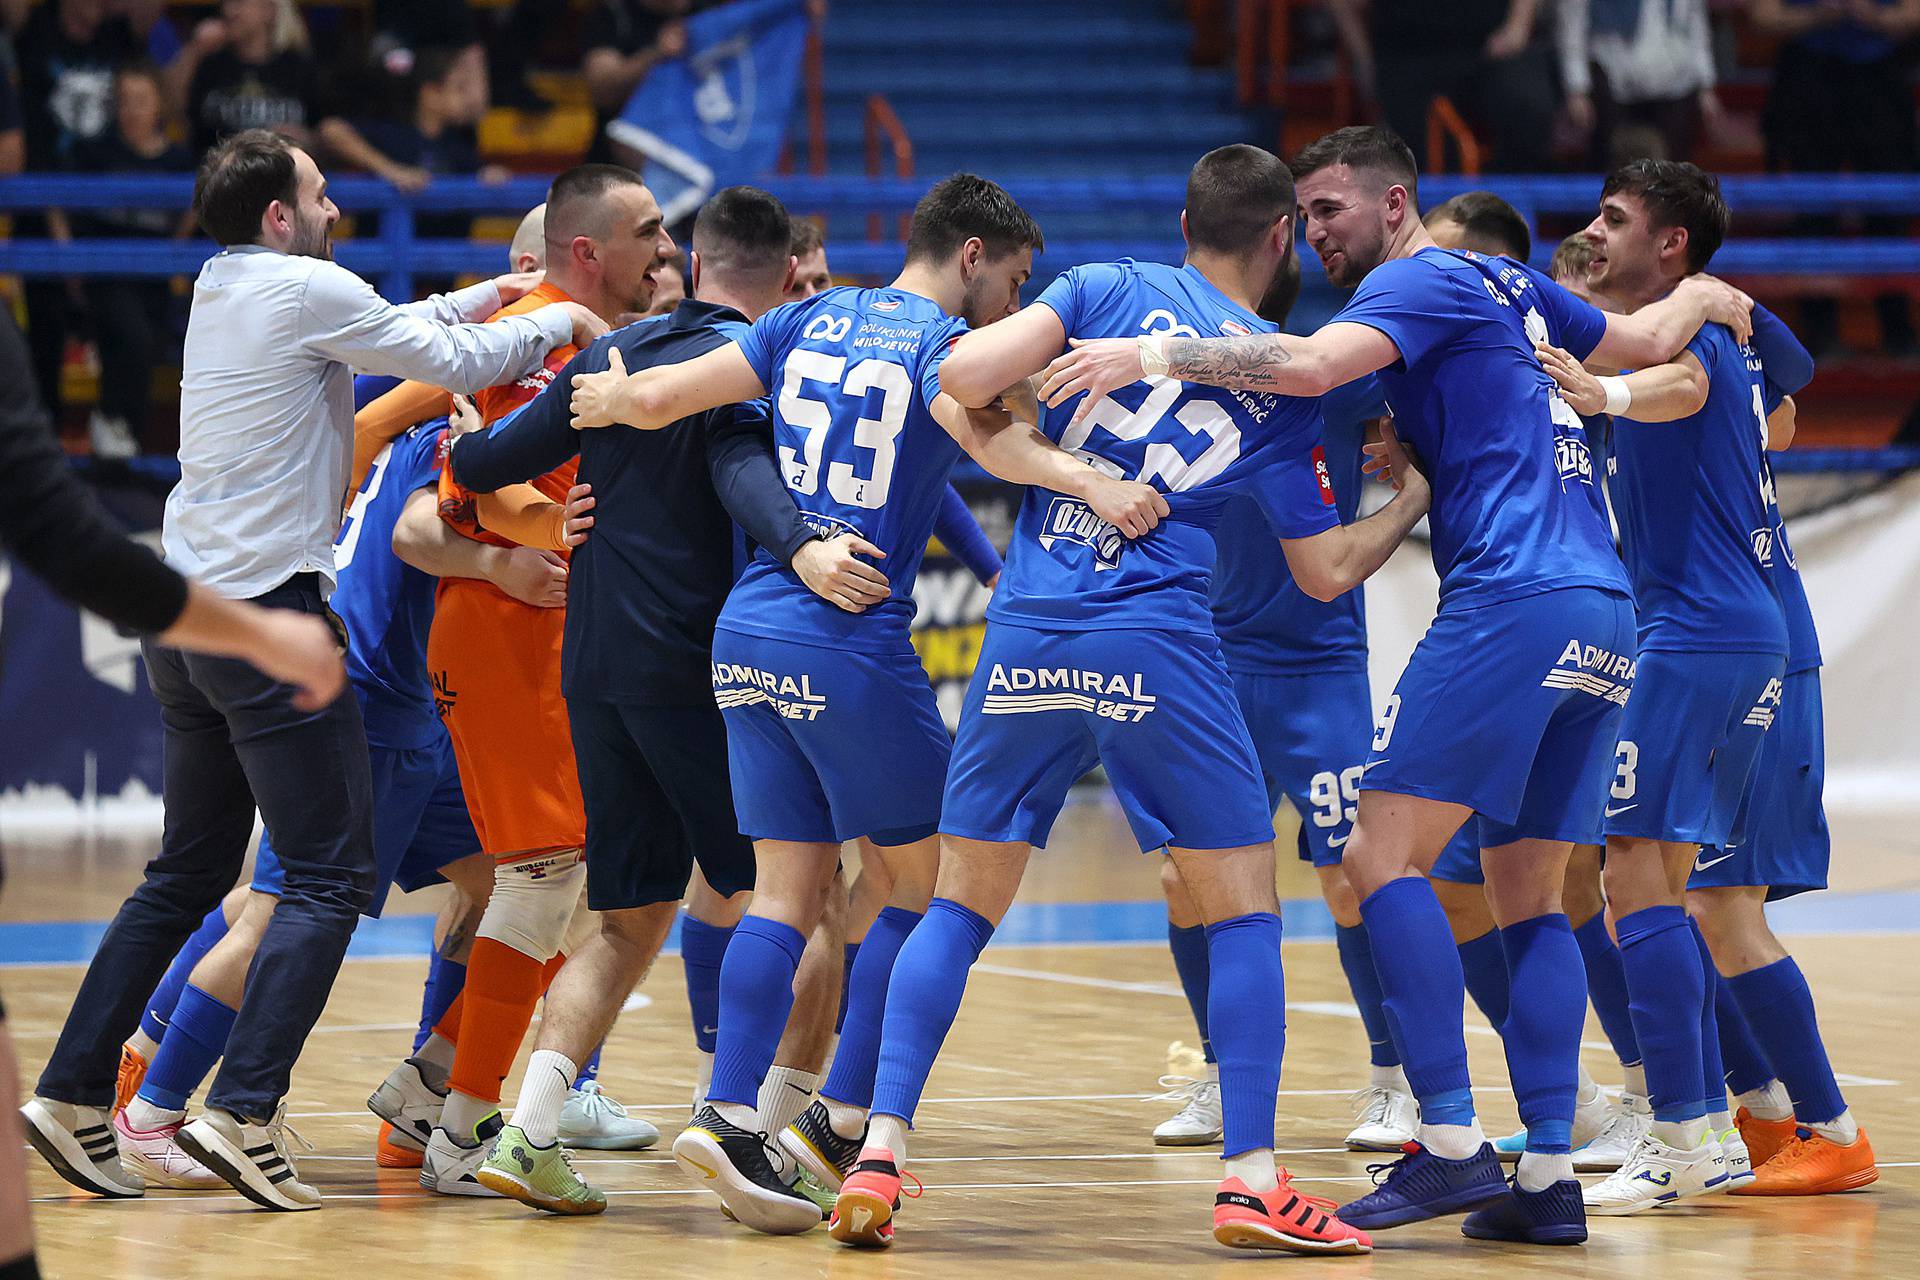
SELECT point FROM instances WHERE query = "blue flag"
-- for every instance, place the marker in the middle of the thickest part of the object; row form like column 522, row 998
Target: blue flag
column 718, row 114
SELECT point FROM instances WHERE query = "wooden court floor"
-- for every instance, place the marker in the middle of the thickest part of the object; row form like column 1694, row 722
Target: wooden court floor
column 1033, row 1142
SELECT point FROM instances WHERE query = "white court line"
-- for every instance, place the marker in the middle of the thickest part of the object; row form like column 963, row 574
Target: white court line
column 586, row 1158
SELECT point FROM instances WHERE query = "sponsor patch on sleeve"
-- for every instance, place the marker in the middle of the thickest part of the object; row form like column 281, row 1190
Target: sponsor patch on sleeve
column 1321, row 474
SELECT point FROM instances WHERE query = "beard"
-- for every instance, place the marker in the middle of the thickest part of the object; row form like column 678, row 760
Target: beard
column 1282, row 291
column 312, row 239
column 1357, row 259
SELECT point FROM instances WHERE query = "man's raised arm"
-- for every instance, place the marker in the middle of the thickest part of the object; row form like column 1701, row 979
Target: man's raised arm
column 656, row 397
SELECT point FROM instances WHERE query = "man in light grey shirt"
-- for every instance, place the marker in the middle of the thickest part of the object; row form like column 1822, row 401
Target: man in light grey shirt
column 266, row 443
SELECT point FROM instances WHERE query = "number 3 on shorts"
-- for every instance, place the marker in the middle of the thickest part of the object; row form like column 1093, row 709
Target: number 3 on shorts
column 1383, row 723
column 1624, row 782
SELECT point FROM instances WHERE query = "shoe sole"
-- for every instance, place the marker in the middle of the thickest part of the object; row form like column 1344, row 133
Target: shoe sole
column 861, row 1219
column 1847, row 1182
column 155, row 1176
column 401, row 1158
column 48, row 1144
column 1602, row 1164
column 1460, row 1202
column 1257, row 1235
column 234, row 1167
column 454, row 1187
column 394, row 1113
column 800, row 1149
column 1186, row 1139
column 638, row 1142
column 503, row 1183
column 1559, row 1236
column 1362, row 1144
column 700, row 1157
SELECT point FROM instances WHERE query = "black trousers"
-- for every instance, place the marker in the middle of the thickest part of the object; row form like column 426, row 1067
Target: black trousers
column 234, row 741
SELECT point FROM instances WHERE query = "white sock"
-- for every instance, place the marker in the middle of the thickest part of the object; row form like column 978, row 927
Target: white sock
column 784, row 1094
column 1537, row 1171
column 1635, row 1076
column 543, row 1091
column 1452, row 1141
column 1255, row 1168
column 1586, row 1094
column 845, row 1119
column 703, row 1078
column 889, row 1134
column 462, row 1115
column 739, row 1115
column 438, row 1052
column 1682, row 1135
column 1719, row 1121
column 1393, row 1077
column 1840, row 1129
column 143, row 1044
column 1768, row 1102
column 145, row 1117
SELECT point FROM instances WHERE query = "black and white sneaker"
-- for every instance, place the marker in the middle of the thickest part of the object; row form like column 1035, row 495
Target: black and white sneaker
column 410, row 1099
column 738, row 1167
column 253, row 1158
column 812, row 1143
column 448, row 1165
column 78, row 1142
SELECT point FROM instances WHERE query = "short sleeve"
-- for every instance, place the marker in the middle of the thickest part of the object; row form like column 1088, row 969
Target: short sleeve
column 1358, row 401
column 1575, row 324
column 1295, row 494
column 1074, row 295
column 934, row 353
column 1410, row 301
column 769, row 337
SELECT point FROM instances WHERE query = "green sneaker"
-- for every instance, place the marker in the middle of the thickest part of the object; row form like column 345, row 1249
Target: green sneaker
column 540, row 1176
column 813, row 1189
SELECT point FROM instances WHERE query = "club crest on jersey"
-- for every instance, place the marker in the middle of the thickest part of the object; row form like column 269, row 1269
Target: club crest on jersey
column 1587, row 668
column 1234, row 329
column 1763, row 546
column 1071, row 520
column 1026, row 690
column 737, row 685
column 1761, row 717
column 884, row 304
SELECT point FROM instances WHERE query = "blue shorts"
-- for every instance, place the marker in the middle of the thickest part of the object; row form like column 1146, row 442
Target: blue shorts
column 1459, row 862
column 1310, row 734
column 1787, row 848
column 1512, row 709
column 828, row 744
column 1156, row 708
column 420, row 823
column 1689, row 744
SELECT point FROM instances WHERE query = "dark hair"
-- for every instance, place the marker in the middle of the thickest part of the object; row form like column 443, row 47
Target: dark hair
column 434, row 63
column 743, row 231
column 240, row 176
column 1234, row 195
column 808, row 235
column 1677, row 194
column 1492, row 225
column 966, row 207
column 1362, row 146
column 573, row 201
column 1572, row 257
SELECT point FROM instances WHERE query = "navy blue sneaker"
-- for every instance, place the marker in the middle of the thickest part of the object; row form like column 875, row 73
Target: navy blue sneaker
column 1421, row 1185
column 1554, row 1215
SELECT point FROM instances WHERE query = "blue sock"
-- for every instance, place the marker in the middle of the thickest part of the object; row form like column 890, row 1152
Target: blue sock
column 159, row 1010
column 1779, row 1010
column 1243, row 959
column 1543, row 1026
column 1607, row 987
column 1666, row 992
column 1189, row 947
column 756, row 995
column 846, row 984
column 929, row 978
column 1425, row 995
column 1483, row 963
column 195, row 1041
column 850, row 1079
column 1713, row 1075
column 1746, row 1064
column 445, row 980
column 591, row 1070
column 702, row 948
column 1356, row 959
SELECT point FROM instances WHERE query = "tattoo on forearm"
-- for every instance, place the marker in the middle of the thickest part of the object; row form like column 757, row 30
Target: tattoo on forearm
column 1252, row 363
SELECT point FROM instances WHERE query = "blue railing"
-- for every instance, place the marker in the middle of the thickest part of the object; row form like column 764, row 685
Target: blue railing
column 394, row 255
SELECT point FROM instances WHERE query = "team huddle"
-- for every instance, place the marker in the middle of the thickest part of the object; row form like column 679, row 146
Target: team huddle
column 632, row 629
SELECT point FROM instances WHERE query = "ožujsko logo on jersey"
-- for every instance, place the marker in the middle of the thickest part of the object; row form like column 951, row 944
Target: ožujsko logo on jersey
column 1590, row 669
column 1071, row 520
column 738, row 685
column 1025, row 690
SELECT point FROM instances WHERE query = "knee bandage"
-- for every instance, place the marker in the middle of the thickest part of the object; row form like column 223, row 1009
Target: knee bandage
column 533, row 899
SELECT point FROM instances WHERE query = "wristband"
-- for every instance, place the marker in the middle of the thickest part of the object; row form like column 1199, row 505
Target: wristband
column 1153, row 355
column 1619, row 395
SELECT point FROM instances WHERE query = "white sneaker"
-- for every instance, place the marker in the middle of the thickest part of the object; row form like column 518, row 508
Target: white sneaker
column 253, row 1158
column 448, row 1168
column 1198, row 1121
column 1658, row 1174
column 1389, row 1118
column 1739, row 1160
column 409, row 1101
column 78, row 1142
column 156, row 1156
column 1614, row 1145
column 111, row 437
column 590, row 1119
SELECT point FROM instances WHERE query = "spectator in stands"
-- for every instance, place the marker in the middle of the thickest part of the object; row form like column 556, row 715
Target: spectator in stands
column 13, row 137
column 1841, row 99
column 625, row 40
column 809, row 247
column 436, row 137
column 129, row 313
column 153, row 29
column 1637, row 62
column 416, row 25
column 1482, row 55
column 249, row 68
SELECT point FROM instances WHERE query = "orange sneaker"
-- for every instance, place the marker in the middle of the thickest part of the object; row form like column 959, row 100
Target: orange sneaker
column 133, row 1070
column 1810, row 1165
column 1282, row 1219
column 1763, row 1137
column 869, row 1197
column 394, row 1150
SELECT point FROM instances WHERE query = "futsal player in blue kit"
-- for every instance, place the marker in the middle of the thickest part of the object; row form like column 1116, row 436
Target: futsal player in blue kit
column 832, row 729
column 1509, row 707
column 1102, row 649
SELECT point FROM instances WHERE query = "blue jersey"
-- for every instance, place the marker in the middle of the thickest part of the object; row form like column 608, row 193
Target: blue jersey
column 1267, row 624
column 1516, row 507
column 1803, row 639
column 853, row 373
column 1067, row 569
column 386, row 603
column 1695, row 503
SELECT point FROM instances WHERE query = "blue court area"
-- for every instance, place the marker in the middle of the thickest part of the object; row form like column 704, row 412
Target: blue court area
column 1064, row 924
